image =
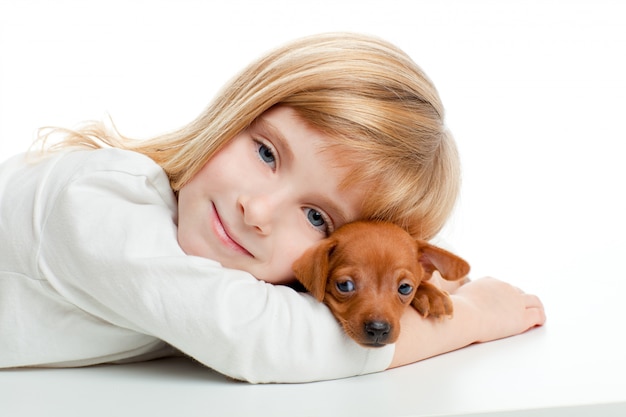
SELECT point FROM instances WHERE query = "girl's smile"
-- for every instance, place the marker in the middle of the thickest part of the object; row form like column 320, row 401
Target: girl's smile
column 222, row 233
column 265, row 197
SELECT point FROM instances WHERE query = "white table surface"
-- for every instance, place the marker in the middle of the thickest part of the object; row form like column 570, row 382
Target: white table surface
column 556, row 370
column 534, row 92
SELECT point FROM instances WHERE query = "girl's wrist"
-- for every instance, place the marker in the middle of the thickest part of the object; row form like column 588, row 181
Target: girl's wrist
column 468, row 318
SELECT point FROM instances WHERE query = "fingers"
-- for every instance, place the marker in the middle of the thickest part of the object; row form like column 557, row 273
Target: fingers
column 535, row 312
column 532, row 301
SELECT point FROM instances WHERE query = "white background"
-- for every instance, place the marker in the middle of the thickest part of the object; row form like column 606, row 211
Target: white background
column 535, row 93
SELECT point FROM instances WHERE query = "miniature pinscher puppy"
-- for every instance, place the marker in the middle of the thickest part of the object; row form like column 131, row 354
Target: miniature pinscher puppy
column 368, row 272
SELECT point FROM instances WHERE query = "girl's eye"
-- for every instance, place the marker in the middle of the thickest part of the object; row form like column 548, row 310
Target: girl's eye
column 405, row 289
column 345, row 286
column 318, row 220
column 266, row 154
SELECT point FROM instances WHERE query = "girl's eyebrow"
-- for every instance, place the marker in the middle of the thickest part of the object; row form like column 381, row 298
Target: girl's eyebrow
column 274, row 133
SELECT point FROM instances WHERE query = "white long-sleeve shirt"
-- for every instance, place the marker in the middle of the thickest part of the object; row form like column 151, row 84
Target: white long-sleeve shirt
column 91, row 272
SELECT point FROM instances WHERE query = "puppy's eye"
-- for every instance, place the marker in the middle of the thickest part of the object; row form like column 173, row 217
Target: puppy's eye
column 405, row 289
column 345, row 286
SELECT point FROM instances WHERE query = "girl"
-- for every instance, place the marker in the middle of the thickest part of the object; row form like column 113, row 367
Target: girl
column 117, row 250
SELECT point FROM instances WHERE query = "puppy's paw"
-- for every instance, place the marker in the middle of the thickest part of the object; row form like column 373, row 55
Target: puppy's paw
column 430, row 301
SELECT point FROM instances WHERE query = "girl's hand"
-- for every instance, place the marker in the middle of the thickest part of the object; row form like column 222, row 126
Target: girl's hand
column 485, row 309
column 500, row 309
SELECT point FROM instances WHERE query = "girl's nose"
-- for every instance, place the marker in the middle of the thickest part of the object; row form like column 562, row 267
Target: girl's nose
column 258, row 212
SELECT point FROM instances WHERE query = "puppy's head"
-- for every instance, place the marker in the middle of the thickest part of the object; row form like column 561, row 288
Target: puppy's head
column 368, row 273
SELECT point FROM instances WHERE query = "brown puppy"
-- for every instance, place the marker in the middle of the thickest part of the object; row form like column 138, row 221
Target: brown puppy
column 369, row 272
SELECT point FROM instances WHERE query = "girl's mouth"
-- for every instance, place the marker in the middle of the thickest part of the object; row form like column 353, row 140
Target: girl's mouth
column 224, row 236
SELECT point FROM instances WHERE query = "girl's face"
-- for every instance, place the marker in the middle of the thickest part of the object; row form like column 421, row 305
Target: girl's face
column 265, row 198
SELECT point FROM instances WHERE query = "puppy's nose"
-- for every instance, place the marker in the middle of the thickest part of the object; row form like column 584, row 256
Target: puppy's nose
column 377, row 331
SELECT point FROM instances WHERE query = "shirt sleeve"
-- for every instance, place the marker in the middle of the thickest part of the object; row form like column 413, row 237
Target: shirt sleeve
column 109, row 246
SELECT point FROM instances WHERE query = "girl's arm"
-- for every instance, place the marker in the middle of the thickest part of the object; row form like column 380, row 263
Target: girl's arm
column 108, row 247
column 485, row 309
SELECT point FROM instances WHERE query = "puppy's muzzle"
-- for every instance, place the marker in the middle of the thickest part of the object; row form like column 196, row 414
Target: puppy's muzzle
column 377, row 332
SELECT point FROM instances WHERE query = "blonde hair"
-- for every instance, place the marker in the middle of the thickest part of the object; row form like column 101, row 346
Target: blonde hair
column 380, row 108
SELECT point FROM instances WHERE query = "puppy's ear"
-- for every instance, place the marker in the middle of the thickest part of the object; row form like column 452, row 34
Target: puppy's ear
column 311, row 269
column 432, row 258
